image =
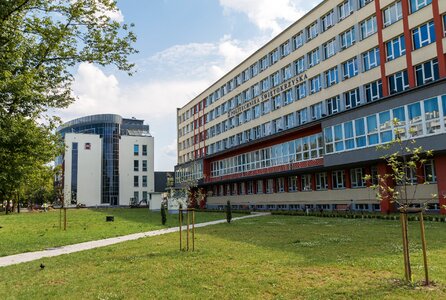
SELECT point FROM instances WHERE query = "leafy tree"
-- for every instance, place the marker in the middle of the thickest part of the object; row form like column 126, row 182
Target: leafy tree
column 41, row 42
column 25, row 148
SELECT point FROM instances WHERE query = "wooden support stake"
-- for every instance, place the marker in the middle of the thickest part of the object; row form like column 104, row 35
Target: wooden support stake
column 187, row 239
column 180, row 212
column 193, row 229
column 65, row 219
column 423, row 241
column 404, row 235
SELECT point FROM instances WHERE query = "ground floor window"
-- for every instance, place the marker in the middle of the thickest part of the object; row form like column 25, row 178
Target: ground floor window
column 306, row 182
column 338, row 178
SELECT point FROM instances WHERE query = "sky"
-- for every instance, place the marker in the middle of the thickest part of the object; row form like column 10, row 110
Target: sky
column 184, row 46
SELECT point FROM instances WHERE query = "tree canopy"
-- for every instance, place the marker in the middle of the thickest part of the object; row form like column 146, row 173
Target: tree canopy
column 41, row 42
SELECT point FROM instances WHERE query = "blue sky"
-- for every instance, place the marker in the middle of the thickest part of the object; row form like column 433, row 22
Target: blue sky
column 184, row 46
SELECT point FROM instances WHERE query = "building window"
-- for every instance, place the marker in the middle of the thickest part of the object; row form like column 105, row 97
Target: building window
column 144, row 195
column 316, row 111
column 392, row 13
column 345, row 9
column 144, row 165
column 398, row 82
column 321, row 181
column 135, row 165
column 306, row 182
column 444, row 25
column 135, row 150
column 368, row 27
column 290, row 120
column 350, row 68
column 348, row 38
column 135, row 181
column 338, row 179
column 264, row 63
column 395, row 48
column 289, row 98
column 352, row 98
column 269, row 186
column 285, row 49
column 328, row 138
column 301, row 91
column 373, row 91
column 418, row 4
column 144, row 150
column 415, row 119
column 370, row 59
column 298, row 40
column 423, row 35
column 136, row 196
column 331, row 77
column 286, row 73
column 429, row 171
column 313, row 57
column 144, row 181
column 250, row 187
column 333, row 105
column 259, row 186
column 315, row 84
column 363, row 3
column 432, row 116
column 312, row 31
column 427, row 72
column 329, row 48
column 274, row 56
column 357, row 177
column 280, row 184
column 275, row 79
column 265, row 84
column 292, row 184
column 327, row 20
column 302, row 117
column 300, row 65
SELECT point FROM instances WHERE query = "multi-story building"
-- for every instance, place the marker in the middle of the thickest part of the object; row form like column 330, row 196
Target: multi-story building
column 108, row 160
column 297, row 123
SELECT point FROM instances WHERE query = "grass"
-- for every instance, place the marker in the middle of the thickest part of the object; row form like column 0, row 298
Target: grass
column 26, row 232
column 273, row 257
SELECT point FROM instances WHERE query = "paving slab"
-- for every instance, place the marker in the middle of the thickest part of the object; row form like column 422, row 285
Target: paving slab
column 30, row 256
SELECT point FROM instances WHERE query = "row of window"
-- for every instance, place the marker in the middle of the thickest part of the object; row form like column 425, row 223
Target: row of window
column 418, row 119
column 136, row 150
column 190, row 172
column 320, row 181
column 143, row 165
column 305, row 148
column 136, row 182
column 425, row 72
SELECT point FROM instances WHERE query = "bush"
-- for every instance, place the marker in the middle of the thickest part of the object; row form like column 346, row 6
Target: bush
column 228, row 212
column 163, row 214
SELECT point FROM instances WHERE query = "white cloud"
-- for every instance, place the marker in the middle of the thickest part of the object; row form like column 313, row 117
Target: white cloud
column 270, row 15
column 171, row 149
column 203, row 61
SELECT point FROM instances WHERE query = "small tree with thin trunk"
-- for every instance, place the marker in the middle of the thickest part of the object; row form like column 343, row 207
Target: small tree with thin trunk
column 399, row 185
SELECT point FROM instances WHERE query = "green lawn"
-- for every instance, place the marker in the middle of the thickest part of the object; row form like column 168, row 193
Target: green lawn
column 273, row 257
column 37, row 231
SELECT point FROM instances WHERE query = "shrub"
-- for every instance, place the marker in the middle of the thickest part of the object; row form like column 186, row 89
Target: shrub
column 163, row 214
column 228, row 212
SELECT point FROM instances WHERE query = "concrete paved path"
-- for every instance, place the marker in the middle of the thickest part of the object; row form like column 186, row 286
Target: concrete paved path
column 30, row 256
